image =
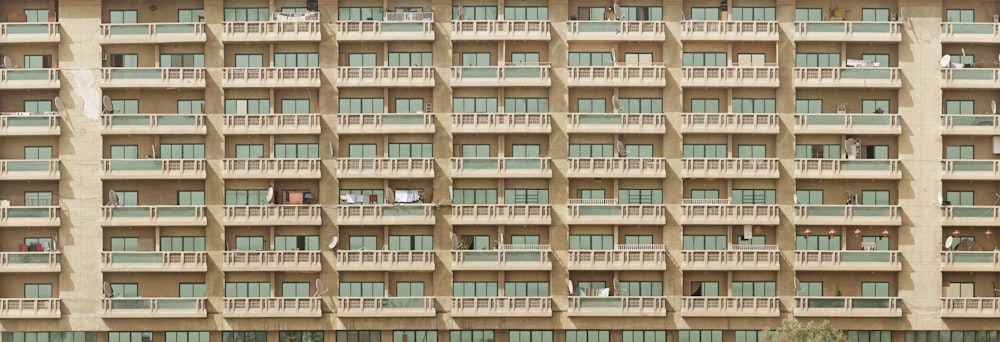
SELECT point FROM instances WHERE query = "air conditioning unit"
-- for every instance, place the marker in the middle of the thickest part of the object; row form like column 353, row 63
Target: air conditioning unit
column 996, row 18
column 104, row 57
column 996, row 144
column 428, row 107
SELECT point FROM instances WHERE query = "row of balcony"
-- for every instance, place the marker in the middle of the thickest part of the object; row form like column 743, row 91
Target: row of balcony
column 500, row 307
column 693, row 212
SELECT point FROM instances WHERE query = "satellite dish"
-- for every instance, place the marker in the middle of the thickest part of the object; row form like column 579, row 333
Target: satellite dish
column 614, row 56
column 108, row 106
column 569, row 283
column 993, row 106
column 948, row 242
column 270, row 195
column 798, row 286
column 112, row 198
column 945, row 61
column 321, row 288
column 330, row 146
column 940, row 199
column 618, row 11
column 622, row 152
column 618, row 285
column 795, row 198
column 333, row 242
column 963, row 52
column 153, row 148
column 7, row 64
column 108, row 292
column 58, row 102
column 454, row 241
column 461, row 12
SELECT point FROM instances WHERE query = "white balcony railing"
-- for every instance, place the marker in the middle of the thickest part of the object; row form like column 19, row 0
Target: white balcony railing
column 970, row 307
column 29, row 261
column 263, row 123
column 848, row 307
column 494, row 29
column 385, row 307
column 630, row 30
column 729, row 122
column 139, row 261
column 30, row 307
column 501, row 122
column 731, row 167
column 271, row 76
column 385, row 75
column 721, row 76
column 731, row 306
column 626, row 75
column 154, row 307
column 273, row 307
column 725, row 30
column 844, row 76
column 501, row 306
column 272, row 166
column 501, row 213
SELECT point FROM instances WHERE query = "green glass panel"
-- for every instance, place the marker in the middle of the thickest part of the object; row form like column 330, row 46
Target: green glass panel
column 865, row 257
column 403, row 303
column 27, row 75
column 598, row 26
column 972, row 120
column 824, row 303
column 130, row 120
column 176, row 120
column 871, row 27
column 131, row 304
column 973, row 257
column 973, row 165
column 865, row 165
column 972, row 211
column 821, row 27
column 136, row 74
column 867, row 303
column 130, row 212
column 871, row 211
column 982, row 28
column 27, row 165
column 873, row 120
column 136, row 165
column 403, row 210
column 972, row 74
column 27, row 212
column 175, row 28
column 600, row 302
column 129, row 30
column 523, row 256
column 481, row 256
column 522, row 72
column 480, row 72
column 602, row 210
column 176, row 211
column 146, row 258
column 177, row 303
column 25, row 121
column 28, row 258
column 825, row 211
column 402, row 27
column 524, row 164
column 481, row 164
column 600, row 119
column 28, row 29
column 866, row 73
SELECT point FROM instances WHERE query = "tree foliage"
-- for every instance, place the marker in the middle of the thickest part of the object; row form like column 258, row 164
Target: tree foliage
column 792, row 330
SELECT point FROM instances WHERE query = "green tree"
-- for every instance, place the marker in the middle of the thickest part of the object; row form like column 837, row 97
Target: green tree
column 792, row 330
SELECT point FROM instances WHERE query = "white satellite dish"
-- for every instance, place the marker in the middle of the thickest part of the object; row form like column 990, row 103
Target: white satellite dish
column 569, row 283
column 940, row 199
column 58, row 102
column 614, row 56
column 454, row 241
column 153, row 148
column 461, row 12
column 112, row 198
column 963, row 52
column 108, row 292
column 993, row 106
column 618, row 11
column 330, row 146
column 108, row 106
column 614, row 103
column 7, row 64
column 333, row 242
column 321, row 288
column 798, row 286
column 622, row 152
column 948, row 242
column 270, row 195
column 795, row 198
column 618, row 286
column 945, row 61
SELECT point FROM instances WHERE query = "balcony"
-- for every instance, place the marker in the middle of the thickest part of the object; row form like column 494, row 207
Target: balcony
column 847, row 169
column 31, row 33
column 722, row 212
column 847, row 124
column 273, row 215
column 494, row 123
column 847, row 31
column 516, row 258
column 271, row 168
column 501, row 167
column 491, row 307
column 730, row 306
column 617, row 76
column 29, row 262
column 970, row 169
column 386, row 307
column 29, row 169
column 873, row 261
column 731, row 123
column 153, row 215
column 13, row 79
column 755, row 31
column 378, row 123
column 970, row 78
column 847, row 77
column 156, row 124
column 270, row 77
column 505, row 214
column 600, row 30
column 154, row 261
column 735, row 76
column 271, row 261
column 271, row 124
column 24, row 123
column 632, row 123
column 617, row 306
column 154, row 308
column 848, row 307
column 153, row 169
column 283, row 27
column 736, row 258
column 385, row 261
column 393, row 168
column 970, row 261
column 479, row 30
column 501, row 76
column 386, row 76
column 966, row 307
column 386, row 214
column 152, row 33
column 976, row 33
column 739, row 168
column 398, row 26
column 979, row 215
column 953, row 124
column 600, row 211
column 165, row 78
column 272, row 307
column 842, row 215
column 30, row 308
column 30, row 216
column 623, row 257
column 617, row 168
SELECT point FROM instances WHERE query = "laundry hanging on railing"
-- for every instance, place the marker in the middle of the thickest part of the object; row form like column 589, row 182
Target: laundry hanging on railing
column 352, row 198
column 408, row 196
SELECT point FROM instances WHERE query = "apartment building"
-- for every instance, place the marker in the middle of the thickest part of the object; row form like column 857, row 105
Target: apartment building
column 509, row 170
